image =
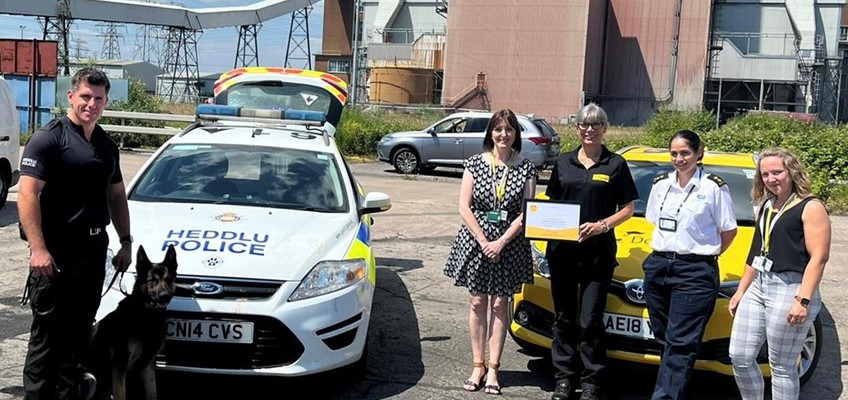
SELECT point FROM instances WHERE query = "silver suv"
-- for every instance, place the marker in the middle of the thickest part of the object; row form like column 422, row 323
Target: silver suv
column 450, row 141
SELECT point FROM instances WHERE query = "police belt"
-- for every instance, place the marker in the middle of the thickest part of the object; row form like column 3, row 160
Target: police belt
column 685, row 257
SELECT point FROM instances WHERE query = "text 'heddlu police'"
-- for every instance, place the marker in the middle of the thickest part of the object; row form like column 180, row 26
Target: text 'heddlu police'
column 217, row 241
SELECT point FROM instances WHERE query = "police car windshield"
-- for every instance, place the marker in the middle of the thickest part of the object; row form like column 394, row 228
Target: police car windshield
column 740, row 181
column 244, row 175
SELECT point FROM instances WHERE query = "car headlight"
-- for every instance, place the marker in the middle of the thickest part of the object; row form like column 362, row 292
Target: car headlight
column 110, row 274
column 728, row 289
column 540, row 263
column 330, row 276
column 385, row 138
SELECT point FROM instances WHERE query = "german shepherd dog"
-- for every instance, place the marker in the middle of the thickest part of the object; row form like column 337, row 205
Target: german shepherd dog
column 125, row 343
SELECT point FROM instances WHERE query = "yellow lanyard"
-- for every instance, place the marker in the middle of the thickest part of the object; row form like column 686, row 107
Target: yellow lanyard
column 500, row 187
column 767, row 233
column 769, row 223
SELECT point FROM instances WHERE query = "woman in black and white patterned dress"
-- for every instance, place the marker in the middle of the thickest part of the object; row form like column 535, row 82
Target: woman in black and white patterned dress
column 490, row 255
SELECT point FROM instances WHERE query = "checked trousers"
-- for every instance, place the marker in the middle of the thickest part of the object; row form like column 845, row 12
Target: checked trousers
column 761, row 317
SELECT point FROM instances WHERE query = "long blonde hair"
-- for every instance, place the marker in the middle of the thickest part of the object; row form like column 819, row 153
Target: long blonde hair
column 800, row 179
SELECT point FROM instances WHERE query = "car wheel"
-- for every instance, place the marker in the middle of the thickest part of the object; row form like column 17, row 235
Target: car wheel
column 4, row 191
column 809, row 358
column 405, row 161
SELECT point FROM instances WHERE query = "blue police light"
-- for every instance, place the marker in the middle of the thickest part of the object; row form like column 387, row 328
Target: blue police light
column 217, row 109
column 306, row 115
column 233, row 111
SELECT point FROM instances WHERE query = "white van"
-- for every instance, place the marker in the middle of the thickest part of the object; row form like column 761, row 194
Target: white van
column 10, row 137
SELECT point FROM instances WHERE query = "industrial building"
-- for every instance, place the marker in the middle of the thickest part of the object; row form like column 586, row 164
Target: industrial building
column 635, row 56
column 141, row 71
column 392, row 52
column 549, row 57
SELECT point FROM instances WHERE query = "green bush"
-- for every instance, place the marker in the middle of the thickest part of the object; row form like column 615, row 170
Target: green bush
column 137, row 101
column 820, row 147
column 756, row 131
column 360, row 130
column 668, row 120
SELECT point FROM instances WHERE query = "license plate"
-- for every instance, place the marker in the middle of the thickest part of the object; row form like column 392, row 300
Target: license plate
column 626, row 325
column 195, row 330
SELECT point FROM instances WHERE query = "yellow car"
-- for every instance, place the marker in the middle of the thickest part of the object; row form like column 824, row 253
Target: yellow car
column 629, row 335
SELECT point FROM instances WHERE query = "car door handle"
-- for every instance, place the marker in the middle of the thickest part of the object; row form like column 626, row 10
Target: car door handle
column 457, row 141
column 5, row 139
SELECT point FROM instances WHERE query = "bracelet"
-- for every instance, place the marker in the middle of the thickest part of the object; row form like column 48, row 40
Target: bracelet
column 606, row 227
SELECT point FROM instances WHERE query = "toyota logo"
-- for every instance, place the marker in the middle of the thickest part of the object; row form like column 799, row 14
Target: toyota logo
column 635, row 290
column 207, row 288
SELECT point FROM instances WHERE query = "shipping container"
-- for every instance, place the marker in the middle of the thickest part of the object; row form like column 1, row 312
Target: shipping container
column 28, row 57
column 44, row 97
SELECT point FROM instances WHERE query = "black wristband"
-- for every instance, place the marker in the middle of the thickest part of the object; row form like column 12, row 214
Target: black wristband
column 126, row 239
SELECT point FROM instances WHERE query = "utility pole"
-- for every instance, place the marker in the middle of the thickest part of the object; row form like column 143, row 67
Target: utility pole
column 355, row 62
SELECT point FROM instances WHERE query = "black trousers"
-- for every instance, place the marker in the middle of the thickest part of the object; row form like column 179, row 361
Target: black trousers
column 681, row 296
column 63, row 310
column 579, row 287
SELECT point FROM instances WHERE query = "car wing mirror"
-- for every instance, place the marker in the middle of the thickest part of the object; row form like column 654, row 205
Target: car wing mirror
column 431, row 131
column 375, row 202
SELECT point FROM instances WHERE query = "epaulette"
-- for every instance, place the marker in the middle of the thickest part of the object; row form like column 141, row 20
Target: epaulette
column 717, row 179
column 660, row 177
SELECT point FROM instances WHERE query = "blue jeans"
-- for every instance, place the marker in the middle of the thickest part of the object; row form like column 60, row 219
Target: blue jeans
column 681, row 296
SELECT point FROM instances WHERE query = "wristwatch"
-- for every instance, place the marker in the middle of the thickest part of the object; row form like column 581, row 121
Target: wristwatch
column 805, row 302
column 128, row 239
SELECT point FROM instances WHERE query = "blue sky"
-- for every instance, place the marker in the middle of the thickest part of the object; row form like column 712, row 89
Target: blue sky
column 216, row 48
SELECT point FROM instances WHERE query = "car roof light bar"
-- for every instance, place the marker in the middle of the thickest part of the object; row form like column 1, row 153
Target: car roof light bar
column 268, row 118
column 234, row 111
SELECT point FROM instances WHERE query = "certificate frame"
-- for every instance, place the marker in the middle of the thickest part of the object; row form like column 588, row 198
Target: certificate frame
column 551, row 219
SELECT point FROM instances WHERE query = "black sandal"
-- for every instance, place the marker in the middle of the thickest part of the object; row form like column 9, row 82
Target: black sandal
column 493, row 389
column 475, row 386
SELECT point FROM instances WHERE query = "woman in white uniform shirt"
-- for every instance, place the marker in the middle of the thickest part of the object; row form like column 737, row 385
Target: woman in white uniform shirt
column 694, row 223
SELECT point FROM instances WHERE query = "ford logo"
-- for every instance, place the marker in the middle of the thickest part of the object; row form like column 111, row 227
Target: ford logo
column 207, row 288
column 635, row 290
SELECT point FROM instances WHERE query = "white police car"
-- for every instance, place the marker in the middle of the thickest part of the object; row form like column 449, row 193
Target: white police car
column 276, row 272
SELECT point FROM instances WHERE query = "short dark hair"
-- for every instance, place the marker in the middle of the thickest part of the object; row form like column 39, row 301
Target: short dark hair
column 91, row 76
column 691, row 138
column 510, row 118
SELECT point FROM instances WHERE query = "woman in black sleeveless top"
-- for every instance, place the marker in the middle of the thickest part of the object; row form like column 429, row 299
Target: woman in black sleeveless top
column 778, row 296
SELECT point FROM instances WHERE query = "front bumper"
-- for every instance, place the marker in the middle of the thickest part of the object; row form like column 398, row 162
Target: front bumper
column 383, row 153
column 533, row 318
column 290, row 338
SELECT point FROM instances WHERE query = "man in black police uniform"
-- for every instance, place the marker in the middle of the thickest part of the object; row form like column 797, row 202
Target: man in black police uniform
column 71, row 186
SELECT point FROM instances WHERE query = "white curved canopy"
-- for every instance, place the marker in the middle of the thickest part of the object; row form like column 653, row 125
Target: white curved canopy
column 134, row 12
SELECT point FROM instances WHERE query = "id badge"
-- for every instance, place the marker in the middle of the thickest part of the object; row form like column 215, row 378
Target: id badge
column 493, row 216
column 504, row 215
column 668, row 224
column 762, row 263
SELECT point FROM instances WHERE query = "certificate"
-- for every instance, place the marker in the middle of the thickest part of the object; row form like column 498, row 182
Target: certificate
column 551, row 220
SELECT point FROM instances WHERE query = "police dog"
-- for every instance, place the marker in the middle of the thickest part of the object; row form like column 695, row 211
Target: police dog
column 125, row 343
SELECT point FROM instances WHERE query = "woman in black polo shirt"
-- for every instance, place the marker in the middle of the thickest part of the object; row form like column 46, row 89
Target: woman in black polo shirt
column 778, row 296
column 581, row 271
